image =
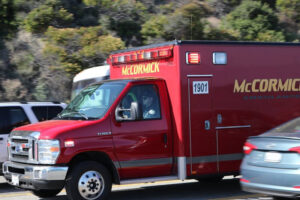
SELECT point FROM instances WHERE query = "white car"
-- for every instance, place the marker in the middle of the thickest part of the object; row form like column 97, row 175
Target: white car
column 14, row 114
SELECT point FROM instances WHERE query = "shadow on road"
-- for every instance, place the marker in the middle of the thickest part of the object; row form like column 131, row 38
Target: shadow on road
column 5, row 187
column 184, row 191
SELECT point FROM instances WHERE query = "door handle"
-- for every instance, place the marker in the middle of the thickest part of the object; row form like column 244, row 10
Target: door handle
column 207, row 124
column 165, row 140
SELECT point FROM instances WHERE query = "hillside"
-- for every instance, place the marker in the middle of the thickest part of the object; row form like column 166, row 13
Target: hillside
column 44, row 43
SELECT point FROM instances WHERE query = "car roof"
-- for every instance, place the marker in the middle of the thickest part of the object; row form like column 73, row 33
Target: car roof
column 31, row 103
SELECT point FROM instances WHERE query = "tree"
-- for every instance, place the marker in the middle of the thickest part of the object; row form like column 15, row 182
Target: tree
column 126, row 18
column 290, row 8
column 154, row 28
column 223, row 7
column 187, row 22
column 78, row 48
column 251, row 20
column 49, row 14
column 7, row 17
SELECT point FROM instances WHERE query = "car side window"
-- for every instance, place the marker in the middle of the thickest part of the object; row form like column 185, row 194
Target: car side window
column 43, row 113
column 148, row 99
column 12, row 117
column 150, row 102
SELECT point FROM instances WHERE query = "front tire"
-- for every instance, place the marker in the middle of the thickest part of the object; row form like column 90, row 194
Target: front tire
column 88, row 180
column 45, row 193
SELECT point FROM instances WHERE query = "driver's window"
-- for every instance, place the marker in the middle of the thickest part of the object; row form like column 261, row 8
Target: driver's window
column 126, row 102
column 147, row 98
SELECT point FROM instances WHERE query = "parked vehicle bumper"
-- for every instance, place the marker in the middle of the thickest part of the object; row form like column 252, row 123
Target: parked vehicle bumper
column 275, row 182
column 34, row 177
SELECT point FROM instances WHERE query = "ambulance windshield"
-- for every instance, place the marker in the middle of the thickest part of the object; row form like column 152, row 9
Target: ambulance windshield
column 92, row 102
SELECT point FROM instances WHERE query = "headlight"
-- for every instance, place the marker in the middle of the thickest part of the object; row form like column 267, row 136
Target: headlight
column 48, row 151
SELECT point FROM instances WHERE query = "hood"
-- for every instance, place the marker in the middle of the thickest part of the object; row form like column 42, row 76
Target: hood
column 49, row 129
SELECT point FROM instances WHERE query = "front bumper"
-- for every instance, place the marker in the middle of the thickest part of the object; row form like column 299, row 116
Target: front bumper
column 35, row 177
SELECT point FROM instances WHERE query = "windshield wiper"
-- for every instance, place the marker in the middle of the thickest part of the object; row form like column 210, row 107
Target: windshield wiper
column 73, row 112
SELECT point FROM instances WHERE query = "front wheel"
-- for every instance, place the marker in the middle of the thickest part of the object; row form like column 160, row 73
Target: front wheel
column 45, row 193
column 88, row 180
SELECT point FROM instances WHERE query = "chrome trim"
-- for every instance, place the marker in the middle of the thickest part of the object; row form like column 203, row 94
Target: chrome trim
column 181, row 165
column 232, row 127
column 117, row 165
column 217, row 148
column 27, row 140
column 30, row 171
column 199, row 75
column 190, row 124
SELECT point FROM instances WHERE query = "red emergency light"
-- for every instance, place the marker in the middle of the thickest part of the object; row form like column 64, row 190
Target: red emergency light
column 139, row 56
column 193, row 58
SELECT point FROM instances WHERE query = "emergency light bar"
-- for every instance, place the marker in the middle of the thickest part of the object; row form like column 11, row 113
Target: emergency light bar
column 139, row 56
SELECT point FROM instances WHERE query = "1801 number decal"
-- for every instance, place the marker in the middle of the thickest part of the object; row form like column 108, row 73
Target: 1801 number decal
column 200, row 87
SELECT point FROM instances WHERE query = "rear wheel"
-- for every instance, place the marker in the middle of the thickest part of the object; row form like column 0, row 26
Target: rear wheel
column 88, row 180
column 45, row 193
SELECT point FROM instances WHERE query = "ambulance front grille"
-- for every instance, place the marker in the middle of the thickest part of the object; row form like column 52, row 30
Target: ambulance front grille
column 22, row 150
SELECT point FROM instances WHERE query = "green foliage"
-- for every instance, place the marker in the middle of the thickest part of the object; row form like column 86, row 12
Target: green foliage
column 251, row 20
column 77, row 34
column 7, row 17
column 154, row 27
column 290, row 8
column 49, row 14
column 77, row 49
column 187, row 22
column 40, row 92
column 126, row 18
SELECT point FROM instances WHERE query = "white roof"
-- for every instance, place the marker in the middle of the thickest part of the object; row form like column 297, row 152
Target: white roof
column 93, row 72
column 32, row 103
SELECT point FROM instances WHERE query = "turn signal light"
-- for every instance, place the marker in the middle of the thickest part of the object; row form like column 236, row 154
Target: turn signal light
column 69, row 143
column 248, row 147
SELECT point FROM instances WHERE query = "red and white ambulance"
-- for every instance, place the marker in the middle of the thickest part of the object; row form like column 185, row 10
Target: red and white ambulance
column 175, row 110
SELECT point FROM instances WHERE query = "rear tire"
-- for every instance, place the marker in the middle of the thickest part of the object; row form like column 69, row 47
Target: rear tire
column 46, row 193
column 88, row 180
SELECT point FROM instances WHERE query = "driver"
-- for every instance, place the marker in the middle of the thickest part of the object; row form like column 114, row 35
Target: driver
column 150, row 105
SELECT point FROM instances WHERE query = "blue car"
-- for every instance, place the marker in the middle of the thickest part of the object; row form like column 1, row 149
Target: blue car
column 271, row 164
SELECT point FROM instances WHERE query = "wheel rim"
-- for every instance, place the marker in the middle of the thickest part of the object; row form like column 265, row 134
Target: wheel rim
column 91, row 185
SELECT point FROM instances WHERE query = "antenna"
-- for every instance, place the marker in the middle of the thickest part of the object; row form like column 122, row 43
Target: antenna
column 191, row 27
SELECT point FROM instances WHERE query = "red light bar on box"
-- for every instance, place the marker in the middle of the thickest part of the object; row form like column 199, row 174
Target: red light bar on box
column 165, row 53
column 145, row 55
column 193, row 58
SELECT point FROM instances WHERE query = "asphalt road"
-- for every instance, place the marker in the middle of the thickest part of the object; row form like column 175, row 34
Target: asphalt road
column 169, row 190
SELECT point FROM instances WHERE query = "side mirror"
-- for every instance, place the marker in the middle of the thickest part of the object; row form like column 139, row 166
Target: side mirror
column 134, row 113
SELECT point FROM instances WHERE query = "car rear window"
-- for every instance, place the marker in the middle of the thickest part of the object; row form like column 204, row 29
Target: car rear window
column 46, row 112
column 12, row 117
column 288, row 129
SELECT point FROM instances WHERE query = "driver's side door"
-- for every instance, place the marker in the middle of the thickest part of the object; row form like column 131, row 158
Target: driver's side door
column 143, row 146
